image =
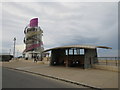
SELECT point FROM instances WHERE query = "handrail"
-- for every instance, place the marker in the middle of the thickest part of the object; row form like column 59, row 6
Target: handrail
column 29, row 34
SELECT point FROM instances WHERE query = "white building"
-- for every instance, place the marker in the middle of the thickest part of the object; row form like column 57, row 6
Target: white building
column 33, row 40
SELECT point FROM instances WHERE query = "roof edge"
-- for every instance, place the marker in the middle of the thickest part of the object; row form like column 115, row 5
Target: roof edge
column 78, row 46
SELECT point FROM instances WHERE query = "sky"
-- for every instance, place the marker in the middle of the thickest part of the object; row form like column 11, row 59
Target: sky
column 63, row 23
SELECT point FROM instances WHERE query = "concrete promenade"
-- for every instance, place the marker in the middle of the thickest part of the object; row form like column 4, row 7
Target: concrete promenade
column 91, row 77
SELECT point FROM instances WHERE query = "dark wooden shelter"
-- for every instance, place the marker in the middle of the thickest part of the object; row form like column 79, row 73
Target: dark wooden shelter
column 74, row 55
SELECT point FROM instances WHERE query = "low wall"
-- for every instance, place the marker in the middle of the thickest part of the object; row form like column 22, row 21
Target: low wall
column 106, row 67
column 112, row 61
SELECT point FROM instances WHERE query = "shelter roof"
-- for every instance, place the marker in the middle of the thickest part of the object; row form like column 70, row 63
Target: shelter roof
column 79, row 46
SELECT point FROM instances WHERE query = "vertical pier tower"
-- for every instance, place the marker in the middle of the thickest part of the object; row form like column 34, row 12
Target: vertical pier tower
column 33, row 40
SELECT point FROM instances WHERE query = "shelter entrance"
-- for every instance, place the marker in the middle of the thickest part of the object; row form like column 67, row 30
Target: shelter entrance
column 70, row 57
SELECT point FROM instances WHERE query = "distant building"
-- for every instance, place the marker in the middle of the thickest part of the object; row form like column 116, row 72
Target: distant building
column 33, row 40
column 74, row 55
column 5, row 57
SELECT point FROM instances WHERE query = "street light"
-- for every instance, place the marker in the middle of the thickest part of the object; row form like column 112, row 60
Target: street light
column 14, row 47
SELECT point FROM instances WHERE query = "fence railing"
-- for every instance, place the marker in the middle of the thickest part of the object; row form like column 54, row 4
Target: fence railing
column 112, row 61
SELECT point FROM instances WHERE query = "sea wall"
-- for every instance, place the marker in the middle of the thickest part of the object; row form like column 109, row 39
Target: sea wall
column 106, row 67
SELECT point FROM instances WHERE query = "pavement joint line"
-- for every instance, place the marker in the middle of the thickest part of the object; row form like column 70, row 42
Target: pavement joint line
column 58, row 78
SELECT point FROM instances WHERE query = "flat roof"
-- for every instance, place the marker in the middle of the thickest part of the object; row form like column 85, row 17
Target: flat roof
column 78, row 46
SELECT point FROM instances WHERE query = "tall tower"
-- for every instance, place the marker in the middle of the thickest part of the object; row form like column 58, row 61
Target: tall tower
column 33, row 40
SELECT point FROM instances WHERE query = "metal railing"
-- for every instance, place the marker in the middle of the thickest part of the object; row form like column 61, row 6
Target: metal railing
column 112, row 61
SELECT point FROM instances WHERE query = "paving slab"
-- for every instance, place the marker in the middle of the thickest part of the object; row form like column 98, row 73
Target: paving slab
column 92, row 77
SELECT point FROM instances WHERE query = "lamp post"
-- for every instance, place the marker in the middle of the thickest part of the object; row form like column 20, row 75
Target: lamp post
column 14, row 47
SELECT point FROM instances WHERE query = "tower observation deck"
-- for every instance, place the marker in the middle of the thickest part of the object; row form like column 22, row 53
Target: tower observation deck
column 33, row 40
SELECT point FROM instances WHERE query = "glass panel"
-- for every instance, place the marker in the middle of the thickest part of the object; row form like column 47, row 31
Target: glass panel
column 81, row 51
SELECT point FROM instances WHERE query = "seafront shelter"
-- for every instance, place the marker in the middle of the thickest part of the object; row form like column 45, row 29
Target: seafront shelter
column 74, row 55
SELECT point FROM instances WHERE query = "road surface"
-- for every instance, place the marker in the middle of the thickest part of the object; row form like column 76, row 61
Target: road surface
column 18, row 79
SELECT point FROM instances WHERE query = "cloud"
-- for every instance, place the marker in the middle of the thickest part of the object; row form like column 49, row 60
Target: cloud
column 63, row 23
column 60, row 1
column 20, row 48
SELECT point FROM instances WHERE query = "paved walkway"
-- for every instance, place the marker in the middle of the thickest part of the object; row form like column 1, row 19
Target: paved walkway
column 92, row 77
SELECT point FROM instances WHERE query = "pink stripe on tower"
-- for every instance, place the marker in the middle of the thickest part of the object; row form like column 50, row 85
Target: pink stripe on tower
column 33, row 46
column 34, row 22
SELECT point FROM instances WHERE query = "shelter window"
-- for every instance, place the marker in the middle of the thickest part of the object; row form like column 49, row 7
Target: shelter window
column 70, row 52
column 76, row 52
column 82, row 51
column 66, row 52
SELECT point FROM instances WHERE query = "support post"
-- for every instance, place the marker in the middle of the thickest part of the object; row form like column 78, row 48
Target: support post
column 106, row 61
column 14, row 47
column 67, row 61
column 116, row 60
column 73, row 58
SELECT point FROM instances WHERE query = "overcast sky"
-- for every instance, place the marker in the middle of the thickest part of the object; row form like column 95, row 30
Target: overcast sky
column 63, row 23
